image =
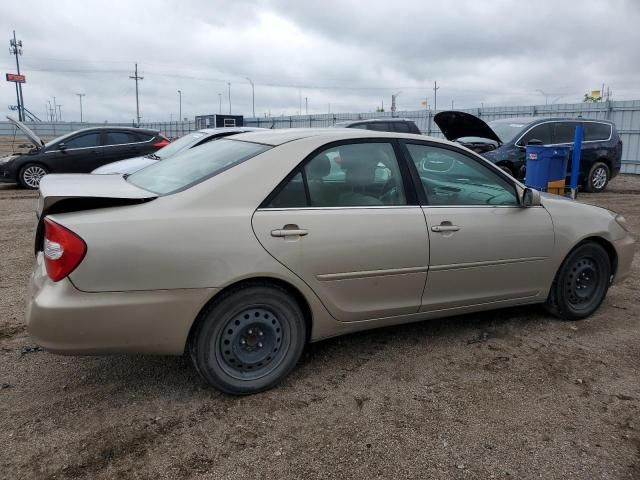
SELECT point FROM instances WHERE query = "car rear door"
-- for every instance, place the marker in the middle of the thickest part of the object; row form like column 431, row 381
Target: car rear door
column 347, row 223
column 80, row 153
column 484, row 247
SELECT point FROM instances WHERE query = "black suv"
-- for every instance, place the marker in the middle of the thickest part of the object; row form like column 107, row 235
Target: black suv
column 78, row 152
column 400, row 125
column 504, row 142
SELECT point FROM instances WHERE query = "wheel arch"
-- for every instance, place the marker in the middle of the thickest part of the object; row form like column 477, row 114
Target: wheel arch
column 605, row 244
column 261, row 280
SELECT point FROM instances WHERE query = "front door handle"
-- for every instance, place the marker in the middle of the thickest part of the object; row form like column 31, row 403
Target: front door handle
column 289, row 232
column 445, row 228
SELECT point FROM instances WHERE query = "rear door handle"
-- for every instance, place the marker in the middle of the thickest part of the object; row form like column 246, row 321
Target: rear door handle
column 445, row 228
column 289, row 233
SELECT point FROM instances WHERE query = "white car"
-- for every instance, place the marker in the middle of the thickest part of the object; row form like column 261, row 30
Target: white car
column 190, row 140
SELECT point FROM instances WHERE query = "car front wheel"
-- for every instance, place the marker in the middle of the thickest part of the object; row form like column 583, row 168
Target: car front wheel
column 599, row 176
column 31, row 174
column 249, row 339
column 581, row 283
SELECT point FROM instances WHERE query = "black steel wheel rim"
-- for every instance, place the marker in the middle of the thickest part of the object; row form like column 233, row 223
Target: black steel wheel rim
column 583, row 282
column 252, row 343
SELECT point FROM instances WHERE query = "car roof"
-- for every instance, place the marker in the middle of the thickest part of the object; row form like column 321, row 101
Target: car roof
column 124, row 129
column 285, row 135
column 373, row 120
column 532, row 120
column 212, row 131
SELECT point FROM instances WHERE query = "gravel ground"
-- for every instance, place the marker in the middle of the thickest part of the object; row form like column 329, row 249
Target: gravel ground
column 510, row 394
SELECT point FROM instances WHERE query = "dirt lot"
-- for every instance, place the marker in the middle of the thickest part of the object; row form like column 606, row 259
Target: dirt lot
column 507, row 394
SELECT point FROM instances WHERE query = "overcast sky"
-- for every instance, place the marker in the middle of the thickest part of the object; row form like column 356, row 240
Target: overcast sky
column 341, row 55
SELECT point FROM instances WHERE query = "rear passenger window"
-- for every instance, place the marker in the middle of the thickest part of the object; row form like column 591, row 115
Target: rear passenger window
column 362, row 174
column 596, row 131
column 119, row 138
column 379, row 127
column 401, row 127
column 292, row 195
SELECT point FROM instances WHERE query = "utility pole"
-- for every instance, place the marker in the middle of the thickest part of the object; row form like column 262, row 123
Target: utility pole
column 15, row 48
column 451, row 104
column 253, row 97
column 393, row 103
column 60, row 112
column 136, row 78
column 180, row 104
column 299, row 101
column 80, row 95
column 306, row 105
column 55, row 109
column 435, row 96
column 220, row 100
column 229, row 86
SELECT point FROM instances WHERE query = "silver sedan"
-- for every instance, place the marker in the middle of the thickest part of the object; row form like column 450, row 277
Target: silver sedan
column 243, row 250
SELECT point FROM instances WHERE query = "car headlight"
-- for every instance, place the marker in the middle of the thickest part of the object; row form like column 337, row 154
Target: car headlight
column 620, row 220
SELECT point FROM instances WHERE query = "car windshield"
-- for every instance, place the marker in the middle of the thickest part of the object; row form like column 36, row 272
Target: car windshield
column 193, row 166
column 182, row 143
column 506, row 131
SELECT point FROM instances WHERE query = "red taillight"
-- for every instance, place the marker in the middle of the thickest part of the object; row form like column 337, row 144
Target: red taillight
column 163, row 142
column 63, row 250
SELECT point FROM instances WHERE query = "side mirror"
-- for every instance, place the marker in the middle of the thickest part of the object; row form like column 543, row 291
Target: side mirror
column 62, row 147
column 530, row 198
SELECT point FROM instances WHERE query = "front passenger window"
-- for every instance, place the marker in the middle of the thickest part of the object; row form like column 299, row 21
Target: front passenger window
column 453, row 179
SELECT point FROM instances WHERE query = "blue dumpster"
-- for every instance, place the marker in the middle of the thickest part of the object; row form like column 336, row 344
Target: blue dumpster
column 546, row 168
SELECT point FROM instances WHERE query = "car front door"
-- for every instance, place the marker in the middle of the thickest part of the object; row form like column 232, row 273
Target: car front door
column 346, row 223
column 542, row 132
column 485, row 248
column 119, row 145
column 80, row 153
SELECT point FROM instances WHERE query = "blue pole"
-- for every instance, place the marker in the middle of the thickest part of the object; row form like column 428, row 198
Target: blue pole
column 575, row 161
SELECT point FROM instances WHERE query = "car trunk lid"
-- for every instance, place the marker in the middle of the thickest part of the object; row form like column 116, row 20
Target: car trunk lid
column 455, row 125
column 62, row 193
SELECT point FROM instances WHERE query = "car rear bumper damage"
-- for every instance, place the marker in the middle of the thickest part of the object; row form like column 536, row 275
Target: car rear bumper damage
column 65, row 320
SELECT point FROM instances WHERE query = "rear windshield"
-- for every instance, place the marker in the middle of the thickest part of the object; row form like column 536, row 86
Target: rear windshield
column 193, row 166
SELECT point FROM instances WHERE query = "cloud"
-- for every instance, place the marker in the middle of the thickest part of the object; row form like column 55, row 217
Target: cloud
column 346, row 56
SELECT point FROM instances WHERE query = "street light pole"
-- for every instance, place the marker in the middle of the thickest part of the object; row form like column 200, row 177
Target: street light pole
column 253, row 97
column 220, row 100
column 80, row 95
column 180, row 103
column 229, row 86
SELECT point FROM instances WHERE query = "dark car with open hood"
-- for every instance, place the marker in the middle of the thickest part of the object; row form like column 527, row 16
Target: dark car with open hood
column 77, row 152
column 504, row 142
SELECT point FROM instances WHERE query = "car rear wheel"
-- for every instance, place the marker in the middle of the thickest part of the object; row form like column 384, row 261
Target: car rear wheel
column 31, row 174
column 249, row 339
column 581, row 283
column 599, row 176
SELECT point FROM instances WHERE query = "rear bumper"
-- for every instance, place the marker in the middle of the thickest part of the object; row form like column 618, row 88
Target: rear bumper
column 64, row 320
column 625, row 248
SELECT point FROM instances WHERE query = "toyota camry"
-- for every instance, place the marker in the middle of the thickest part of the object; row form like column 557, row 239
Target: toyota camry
column 243, row 250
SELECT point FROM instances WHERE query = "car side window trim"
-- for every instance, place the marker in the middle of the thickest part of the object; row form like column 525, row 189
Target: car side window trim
column 518, row 144
column 409, row 189
column 123, row 144
column 422, row 196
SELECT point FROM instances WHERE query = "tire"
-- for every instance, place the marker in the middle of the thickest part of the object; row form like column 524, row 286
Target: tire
column 31, row 174
column 249, row 339
column 581, row 283
column 598, row 178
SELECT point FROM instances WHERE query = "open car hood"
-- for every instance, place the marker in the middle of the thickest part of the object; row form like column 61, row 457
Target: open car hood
column 455, row 125
column 33, row 138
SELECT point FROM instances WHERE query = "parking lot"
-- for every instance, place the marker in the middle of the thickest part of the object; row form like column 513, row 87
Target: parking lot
column 513, row 393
